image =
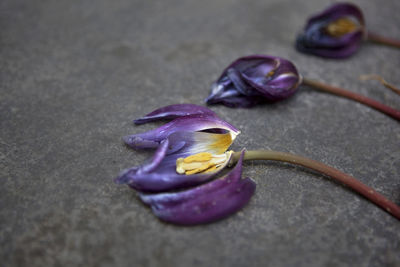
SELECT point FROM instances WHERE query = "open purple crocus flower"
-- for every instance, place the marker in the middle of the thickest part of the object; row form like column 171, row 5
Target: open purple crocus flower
column 191, row 150
column 254, row 79
column 336, row 32
column 176, row 184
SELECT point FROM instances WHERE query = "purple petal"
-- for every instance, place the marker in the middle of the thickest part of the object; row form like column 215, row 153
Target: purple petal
column 339, row 52
column 160, row 173
column 206, row 203
column 172, row 199
column 125, row 176
column 240, row 101
column 239, row 83
column 336, row 11
column 250, row 62
column 174, row 111
column 221, row 91
column 151, row 139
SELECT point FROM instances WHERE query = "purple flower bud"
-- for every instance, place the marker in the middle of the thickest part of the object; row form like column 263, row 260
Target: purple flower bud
column 336, row 32
column 255, row 79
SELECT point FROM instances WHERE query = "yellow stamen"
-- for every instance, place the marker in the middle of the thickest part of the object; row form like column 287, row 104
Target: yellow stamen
column 341, row 27
column 203, row 168
column 200, row 163
column 204, row 156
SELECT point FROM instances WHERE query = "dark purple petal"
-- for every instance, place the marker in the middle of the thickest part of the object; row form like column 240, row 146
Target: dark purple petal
column 165, row 180
column 159, row 174
column 174, row 111
column 337, row 11
column 339, row 52
column 314, row 39
column 206, row 203
column 255, row 79
column 172, row 199
column 239, row 83
column 125, row 176
column 248, row 63
column 240, row 101
column 151, row 139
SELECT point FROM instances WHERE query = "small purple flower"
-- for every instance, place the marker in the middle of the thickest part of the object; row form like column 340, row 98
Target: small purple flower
column 255, row 79
column 336, row 32
column 191, row 150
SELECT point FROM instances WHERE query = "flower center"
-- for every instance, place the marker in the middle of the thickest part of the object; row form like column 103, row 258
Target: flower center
column 200, row 163
column 340, row 27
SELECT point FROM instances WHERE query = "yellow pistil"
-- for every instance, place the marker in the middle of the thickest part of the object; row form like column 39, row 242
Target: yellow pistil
column 200, row 163
column 341, row 27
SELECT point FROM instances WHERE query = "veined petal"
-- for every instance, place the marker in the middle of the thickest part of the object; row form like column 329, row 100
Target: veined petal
column 174, row 111
column 206, row 203
column 151, row 139
column 162, row 176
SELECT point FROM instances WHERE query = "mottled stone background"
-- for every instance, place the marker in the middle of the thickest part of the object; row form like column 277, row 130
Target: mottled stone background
column 73, row 74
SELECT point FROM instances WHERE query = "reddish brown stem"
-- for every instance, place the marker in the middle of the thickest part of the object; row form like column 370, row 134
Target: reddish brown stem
column 337, row 175
column 376, row 38
column 394, row 113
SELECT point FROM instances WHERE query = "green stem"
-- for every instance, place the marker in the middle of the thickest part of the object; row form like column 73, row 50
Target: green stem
column 376, row 38
column 394, row 113
column 335, row 174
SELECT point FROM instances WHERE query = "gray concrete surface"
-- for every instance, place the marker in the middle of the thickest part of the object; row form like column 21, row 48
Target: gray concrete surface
column 74, row 74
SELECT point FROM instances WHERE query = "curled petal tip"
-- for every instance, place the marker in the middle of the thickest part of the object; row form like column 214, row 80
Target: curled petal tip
column 135, row 141
column 124, row 176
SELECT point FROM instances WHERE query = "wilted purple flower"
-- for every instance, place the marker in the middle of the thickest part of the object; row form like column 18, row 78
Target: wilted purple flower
column 254, row 79
column 336, row 32
column 191, row 150
column 190, row 158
